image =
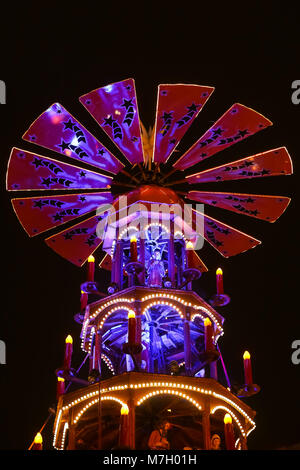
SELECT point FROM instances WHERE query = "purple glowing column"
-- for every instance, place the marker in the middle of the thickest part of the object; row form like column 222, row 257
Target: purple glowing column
column 187, row 344
column 171, row 254
column 97, row 351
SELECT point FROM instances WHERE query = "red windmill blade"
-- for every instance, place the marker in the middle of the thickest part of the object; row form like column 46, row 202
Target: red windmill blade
column 261, row 207
column 177, row 107
column 236, row 124
column 56, row 129
column 30, row 171
column 78, row 242
column 271, row 163
column 39, row 214
column 225, row 239
column 115, row 109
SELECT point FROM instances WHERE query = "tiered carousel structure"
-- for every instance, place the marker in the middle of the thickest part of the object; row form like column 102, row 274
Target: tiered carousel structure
column 152, row 342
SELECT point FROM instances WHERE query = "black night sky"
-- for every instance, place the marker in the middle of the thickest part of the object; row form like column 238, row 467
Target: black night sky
column 251, row 56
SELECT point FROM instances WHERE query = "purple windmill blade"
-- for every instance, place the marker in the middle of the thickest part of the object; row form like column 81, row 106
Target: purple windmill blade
column 30, row 171
column 238, row 123
column 114, row 107
column 177, row 107
column 58, row 130
column 268, row 208
column 274, row 162
column 78, row 242
column 225, row 239
column 39, row 214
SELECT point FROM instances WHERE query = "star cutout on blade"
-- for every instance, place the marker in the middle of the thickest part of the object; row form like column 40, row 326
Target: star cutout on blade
column 38, row 204
column 57, row 217
column 109, row 121
column 167, row 116
column 218, row 131
column 193, row 107
column 37, row 162
column 69, row 125
column 243, row 133
column 64, row 145
column 46, row 182
column 127, row 103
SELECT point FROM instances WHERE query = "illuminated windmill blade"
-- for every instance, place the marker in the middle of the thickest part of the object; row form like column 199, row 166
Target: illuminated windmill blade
column 274, row 162
column 261, row 207
column 77, row 243
column 238, row 123
column 225, row 239
column 39, row 214
column 197, row 263
column 28, row 170
column 115, row 109
column 177, row 107
column 58, row 130
column 106, row 263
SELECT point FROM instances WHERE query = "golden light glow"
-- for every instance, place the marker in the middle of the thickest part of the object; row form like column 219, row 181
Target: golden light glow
column 171, row 387
column 227, row 419
column 124, row 410
column 69, row 339
column 189, row 246
column 207, row 322
column 246, row 355
column 38, row 439
column 219, row 272
column 131, row 314
column 91, row 259
column 60, row 379
column 133, row 239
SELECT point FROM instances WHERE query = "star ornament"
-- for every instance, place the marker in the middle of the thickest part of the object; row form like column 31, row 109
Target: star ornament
column 146, row 159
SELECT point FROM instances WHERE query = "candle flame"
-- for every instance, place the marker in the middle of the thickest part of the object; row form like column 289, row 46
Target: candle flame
column 124, row 410
column 227, row 419
column 133, row 239
column 38, row 439
column 246, row 355
column 189, row 246
column 60, row 379
column 219, row 272
column 207, row 322
column 69, row 339
column 131, row 314
column 91, row 259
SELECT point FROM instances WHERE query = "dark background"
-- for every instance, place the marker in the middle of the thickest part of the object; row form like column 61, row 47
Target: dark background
column 250, row 54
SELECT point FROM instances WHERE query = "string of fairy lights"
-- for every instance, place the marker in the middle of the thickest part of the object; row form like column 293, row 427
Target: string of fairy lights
column 161, row 388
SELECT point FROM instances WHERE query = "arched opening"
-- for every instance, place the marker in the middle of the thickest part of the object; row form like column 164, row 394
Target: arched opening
column 87, row 427
column 163, row 340
column 217, row 425
column 185, row 419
